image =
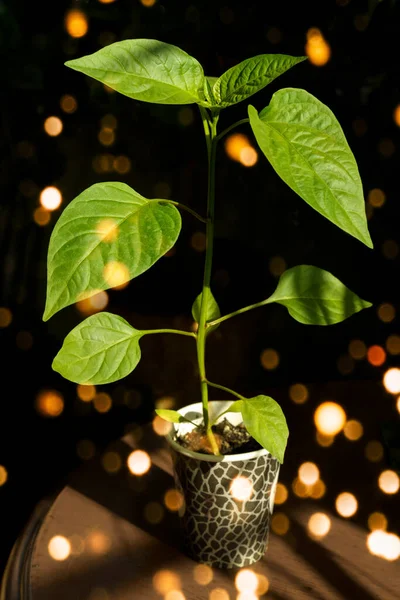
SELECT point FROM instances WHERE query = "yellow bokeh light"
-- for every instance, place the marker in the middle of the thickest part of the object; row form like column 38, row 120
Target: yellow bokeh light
column 357, row 349
column 76, row 23
column 353, row 430
column 111, row 462
column 376, row 355
column 319, row 525
column 281, row 494
column 324, row 440
column 50, row 198
column 396, row 115
column 308, row 473
column 391, row 380
column 318, row 490
column 386, row 312
column 393, row 344
column 248, row 156
column 86, row 393
column 383, row 544
column 389, row 482
column 241, row 488
column 175, row 595
column 269, row 359
column 116, row 274
column 398, row 404
column 85, row 449
column 53, row 126
column 202, row 574
column 5, row 317
column 376, row 198
column 98, row 542
column 280, row 523
column 3, row 475
column 198, row 241
column 106, row 1
column 346, row 504
column 374, row 451
column 122, row 165
column 173, row 500
column 298, row 393
column 102, row 402
column 317, row 48
column 219, row 594
column 300, row 489
column 329, row 418
column 92, row 304
column 77, row 544
column 41, row 216
column 139, row 462
column 246, row 581
column 165, row 581
column 235, row 144
column 263, row 584
column 161, row 426
column 49, row 403
column 277, row 265
column 59, row 547
column 106, row 136
column 377, row 520
column 68, row 104
column 107, row 230
column 148, row 3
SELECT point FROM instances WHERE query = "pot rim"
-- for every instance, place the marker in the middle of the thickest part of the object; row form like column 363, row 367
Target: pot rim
column 216, row 406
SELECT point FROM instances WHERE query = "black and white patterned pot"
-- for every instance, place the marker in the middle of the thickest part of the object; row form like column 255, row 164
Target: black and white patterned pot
column 228, row 500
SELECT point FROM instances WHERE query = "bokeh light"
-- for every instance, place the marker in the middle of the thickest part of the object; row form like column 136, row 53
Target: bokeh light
column 308, row 473
column 139, row 462
column 376, row 198
column 98, row 542
column 241, row 488
column 173, row 500
column 49, row 403
column 298, row 393
column 281, row 494
column 68, row 104
column 317, row 48
column 319, row 525
column 116, row 274
column 59, row 547
column 102, row 402
column 41, row 216
column 346, row 504
column 329, row 418
column 386, row 312
column 5, row 317
column 269, row 359
column 374, row 451
column 153, row 513
column 280, row 523
column 239, row 148
column 389, row 482
column 161, row 426
column 393, row 344
column 50, row 198
column 90, row 305
column 53, row 126
column 318, row 490
column 277, row 265
column 353, row 430
column 86, row 393
column 391, row 380
column 198, row 241
column 357, row 349
column 396, row 115
column 376, row 355
column 218, row 594
column 202, row 574
column 3, row 475
column 76, row 23
column 111, row 462
column 246, row 581
column 377, row 520
column 383, row 544
column 107, row 230
column 324, row 440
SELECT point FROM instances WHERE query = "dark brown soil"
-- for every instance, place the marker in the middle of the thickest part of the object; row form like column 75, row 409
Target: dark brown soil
column 231, row 439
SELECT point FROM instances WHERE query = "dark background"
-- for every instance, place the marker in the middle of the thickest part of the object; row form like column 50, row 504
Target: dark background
column 258, row 218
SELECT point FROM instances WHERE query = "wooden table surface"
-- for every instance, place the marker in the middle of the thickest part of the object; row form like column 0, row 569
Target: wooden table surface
column 116, row 552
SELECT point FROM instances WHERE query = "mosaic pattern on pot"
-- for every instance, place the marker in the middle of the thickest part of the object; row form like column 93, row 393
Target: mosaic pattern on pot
column 220, row 529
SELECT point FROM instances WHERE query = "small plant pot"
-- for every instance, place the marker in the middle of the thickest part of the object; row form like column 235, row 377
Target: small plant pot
column 227, row 500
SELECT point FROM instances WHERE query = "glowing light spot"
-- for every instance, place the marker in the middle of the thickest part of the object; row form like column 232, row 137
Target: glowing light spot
column 102, row 402
column 116, row 274
column 53, row 126
column 277, row 266
column 234, row 145
column 5, row 317
column 219, row 594
column 122, row 165
column 376, row 355
column 374, row 451
column 106, row 1
column 111, row 462
column 386, row 312
column 86, row 393
column 329, row 418
column 166, row 402
column 59, row 548
column 202, row 574
column 398, row 404
column 377, row 520
column 346, row 504
column 357, row 349
column 269, row 359
column 173, row 500
column 241, row 488
column 76, row 23
column 319, row 525
column 280, row 523
column 318, row 490
column 139, row 462
column 154, row 513
column 391, row 381
column 85, row 449
column 317, row 48
column 174, row 595
column 106, row 136
column 148, row 3
column 3, row 475
column 49, row 403
column 248, row 156
column 308, row 473
column 300, row 489
column 263, row 585
column 92, row 304
column 68, row 104
column 160, row 426
column 324, row 440
column 353, row 430
column 198, row 241
column 383, row 544
column 390, row 249
column 393, row 344
column 50, row 198
column 103, row 163
column 165, row 581
column 389, row 482
column 298, row 393
column 376, row 198
column 77, row 544
column 246, row 581
column 281, row 494
column 107, row 230
column 41, row 216
column 396, row 115
column 98, row 542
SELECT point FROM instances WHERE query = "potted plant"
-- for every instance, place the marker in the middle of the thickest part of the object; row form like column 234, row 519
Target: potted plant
column 226, row 454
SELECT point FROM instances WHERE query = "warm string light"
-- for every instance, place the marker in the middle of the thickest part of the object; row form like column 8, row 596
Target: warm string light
column 239, row 149
column 317, row 48
column 329, row 418
column 50, row 198
column 76, row 23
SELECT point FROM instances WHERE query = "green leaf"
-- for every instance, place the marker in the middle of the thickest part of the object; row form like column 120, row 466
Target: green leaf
column 172, row 416
column 250, row 76
column 101, row 349
column 208, row 93
column 306, row 146
column 105, row 237
column 146, row 70
column 212, row 309
column 265, row 421
column 315, row 297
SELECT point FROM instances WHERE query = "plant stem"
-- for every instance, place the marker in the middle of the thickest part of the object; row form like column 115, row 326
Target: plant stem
column 189, row 210
column 210, row 129
column 239, row 312
column 225, row 389
column 228, row 129
column 177, row 331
